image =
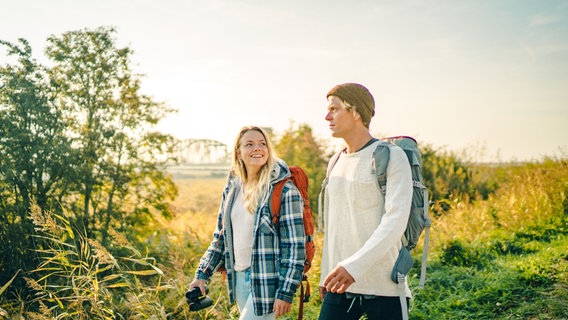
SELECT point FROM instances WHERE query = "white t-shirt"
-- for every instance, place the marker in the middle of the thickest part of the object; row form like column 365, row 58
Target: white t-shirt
column 242, row 223
column 363, row 231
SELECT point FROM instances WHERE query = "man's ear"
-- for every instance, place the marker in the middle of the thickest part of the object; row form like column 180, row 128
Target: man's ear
column 357, row 116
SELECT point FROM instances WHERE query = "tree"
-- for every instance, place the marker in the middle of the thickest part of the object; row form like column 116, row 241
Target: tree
column 34, row 151
column 298, row 146
column 119, row 158
column 451, row 181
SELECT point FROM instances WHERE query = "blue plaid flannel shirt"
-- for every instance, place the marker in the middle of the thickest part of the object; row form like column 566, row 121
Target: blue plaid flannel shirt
column 277, row 255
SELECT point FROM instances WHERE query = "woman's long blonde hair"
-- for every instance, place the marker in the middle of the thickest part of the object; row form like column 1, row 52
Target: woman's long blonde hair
column 256, row 188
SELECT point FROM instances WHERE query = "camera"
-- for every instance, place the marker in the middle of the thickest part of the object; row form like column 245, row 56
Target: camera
column 196, row 300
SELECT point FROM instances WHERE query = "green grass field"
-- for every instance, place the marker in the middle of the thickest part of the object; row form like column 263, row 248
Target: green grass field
column 504, row 257
column 501, row 258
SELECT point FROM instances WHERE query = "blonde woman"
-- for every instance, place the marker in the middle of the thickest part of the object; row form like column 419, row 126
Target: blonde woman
column 264, row 264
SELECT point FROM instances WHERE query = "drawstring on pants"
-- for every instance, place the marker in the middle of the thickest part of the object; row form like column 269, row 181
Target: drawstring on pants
column 353, row 301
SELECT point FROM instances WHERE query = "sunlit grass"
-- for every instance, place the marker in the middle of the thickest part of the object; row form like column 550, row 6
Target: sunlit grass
column 500, row 258
column 531, row 195
column 197, row 206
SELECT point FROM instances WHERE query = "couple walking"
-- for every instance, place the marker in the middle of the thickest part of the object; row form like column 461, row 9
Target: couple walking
column 363, row 228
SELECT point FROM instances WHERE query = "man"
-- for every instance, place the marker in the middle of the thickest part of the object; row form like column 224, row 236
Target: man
column 363, row 229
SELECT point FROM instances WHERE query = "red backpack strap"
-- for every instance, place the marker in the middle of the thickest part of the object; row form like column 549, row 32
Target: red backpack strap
column 276, row 198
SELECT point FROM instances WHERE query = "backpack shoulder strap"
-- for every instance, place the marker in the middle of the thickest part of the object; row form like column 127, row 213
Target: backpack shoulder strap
column 275, row 200
column 332, row 161
column 381, row 158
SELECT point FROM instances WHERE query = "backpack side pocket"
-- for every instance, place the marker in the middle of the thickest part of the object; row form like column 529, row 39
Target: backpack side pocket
column 402, row 265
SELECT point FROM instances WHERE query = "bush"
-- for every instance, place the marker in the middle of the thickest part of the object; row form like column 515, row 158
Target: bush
column 458, row 254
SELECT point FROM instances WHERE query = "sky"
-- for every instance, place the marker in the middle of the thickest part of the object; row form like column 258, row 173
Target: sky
column 485, row 78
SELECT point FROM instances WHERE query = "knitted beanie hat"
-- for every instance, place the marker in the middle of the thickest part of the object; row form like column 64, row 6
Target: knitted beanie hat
column 357, row 96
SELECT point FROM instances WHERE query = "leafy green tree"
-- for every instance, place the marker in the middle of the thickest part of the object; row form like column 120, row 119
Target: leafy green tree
column 450, row 180
column 119, row 176
column 298, row 146
column 34, row 152
column 34, row 149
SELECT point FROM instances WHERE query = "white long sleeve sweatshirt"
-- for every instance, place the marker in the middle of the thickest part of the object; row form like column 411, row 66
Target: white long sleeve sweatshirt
column 363, row 229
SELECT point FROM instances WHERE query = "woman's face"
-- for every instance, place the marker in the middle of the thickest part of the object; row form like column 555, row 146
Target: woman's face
column 253, row 151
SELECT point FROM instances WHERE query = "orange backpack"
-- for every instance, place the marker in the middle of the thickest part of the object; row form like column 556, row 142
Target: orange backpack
column 300, row 180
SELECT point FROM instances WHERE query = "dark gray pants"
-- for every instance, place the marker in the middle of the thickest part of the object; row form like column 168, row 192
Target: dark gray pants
column 339, row 307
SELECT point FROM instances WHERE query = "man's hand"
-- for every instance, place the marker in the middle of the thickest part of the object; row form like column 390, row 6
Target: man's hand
column 281, row 307
column 338, row 280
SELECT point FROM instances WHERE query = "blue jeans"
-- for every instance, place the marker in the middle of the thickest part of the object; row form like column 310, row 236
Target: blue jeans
column 244, row 297
column 339, row 307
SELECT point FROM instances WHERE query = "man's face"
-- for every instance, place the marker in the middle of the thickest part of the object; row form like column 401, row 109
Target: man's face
column 341, row 121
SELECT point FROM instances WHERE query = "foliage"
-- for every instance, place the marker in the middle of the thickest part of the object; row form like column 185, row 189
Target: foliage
column 4, row 313
column 450, row 180
column 32, row 131
column 77, row 136
column 298, row 146
column 75, row 140
column 34, row 153
column 118, row 173
column 512, row 271
column 530, row 195
column 79, row 278
column 504, row 257
column 530, row 283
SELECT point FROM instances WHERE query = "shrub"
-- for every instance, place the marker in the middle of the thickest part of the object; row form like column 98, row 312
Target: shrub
column 460, row 255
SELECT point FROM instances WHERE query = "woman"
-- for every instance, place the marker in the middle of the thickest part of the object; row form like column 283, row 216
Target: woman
column 264, row 264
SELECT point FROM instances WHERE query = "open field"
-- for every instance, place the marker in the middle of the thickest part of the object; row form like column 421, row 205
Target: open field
column 500, row 258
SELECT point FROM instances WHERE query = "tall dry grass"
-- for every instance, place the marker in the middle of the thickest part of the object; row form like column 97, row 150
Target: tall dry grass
column 196, row 217
column 78, row 278
column 529, row 195
column 504, row 257
column 196, row 207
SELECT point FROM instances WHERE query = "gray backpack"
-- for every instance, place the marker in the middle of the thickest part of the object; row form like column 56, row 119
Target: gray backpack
column 418, row 220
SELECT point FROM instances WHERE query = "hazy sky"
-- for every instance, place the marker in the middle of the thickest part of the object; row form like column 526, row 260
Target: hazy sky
column 486, row 76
